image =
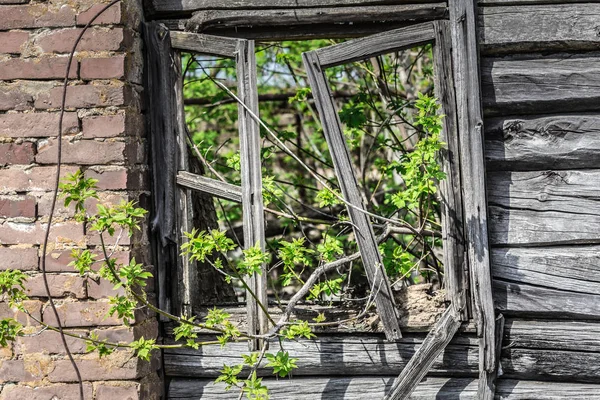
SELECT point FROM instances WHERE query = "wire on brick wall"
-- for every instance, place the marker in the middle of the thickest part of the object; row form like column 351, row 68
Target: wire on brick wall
column 55, row 195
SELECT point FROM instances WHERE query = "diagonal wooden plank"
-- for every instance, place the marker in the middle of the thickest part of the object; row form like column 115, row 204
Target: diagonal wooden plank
column 363, row 229
column 201, row 183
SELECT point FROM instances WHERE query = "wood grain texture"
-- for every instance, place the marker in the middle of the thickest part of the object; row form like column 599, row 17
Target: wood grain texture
column 375, row 45
column 563, row 141
column 201, row 183
column 205, row 44
column 377, row 387
column 542, row 207
column 539, row 28
column 553, row 335
column 527, row 84
column 570, row 268
column 363, row 230
column 203, row 20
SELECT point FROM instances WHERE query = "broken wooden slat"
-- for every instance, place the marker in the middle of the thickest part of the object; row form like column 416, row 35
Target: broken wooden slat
column 455, row 273
column 470, row 117
column 201, row 183
column 273, row 18
column 362, row 227
column 487, row 380
column 205, row 44
column 374, row 45
column 420, row 363
column 251, row 176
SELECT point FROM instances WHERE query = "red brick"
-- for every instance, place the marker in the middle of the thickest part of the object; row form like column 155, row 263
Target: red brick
column 36, row 16
column 112, row 15
column 82, row 152
column 36, row 178
column 17, row 206
column 58, row 261
column 96, row 39
column 103, row 68
column 61, row 285
column 101, row 126
column 36, row 124
column 124, row 391
column 17, row 258
column 49, row 342
column 34, row 307
column 116, row 178
column 81, row 313
column 36, row 68
column 117, row 366
column 52, row 392
column 84, row 96
column 11, row 42
column 15, row 371
column 26, row 233
column 102, row 289
column 11, row 153
column 12, row 97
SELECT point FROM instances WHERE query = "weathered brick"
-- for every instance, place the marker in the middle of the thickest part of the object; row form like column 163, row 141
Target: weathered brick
column 14, row 1
column 117, row 178
column 11, row 42
column 58, row 261
column 15, row 371
column 38, row 15
column 95, row 39
column 31, row 179
column 17, row 206
column 103, row 68
column 85, row 96
column 36, row 68
column 120, row 365
column 18, row 258
column 33, row 233
column 121, row 390
column 101, row 126
column 102, row 289
column 12, row 153
column 111, row 16
column 49, row 342
column 81, row 313
column 61, row 285
column 82, row 152
column 69, row 391
column 34, row 307
column 13, row 97
column 36, row 124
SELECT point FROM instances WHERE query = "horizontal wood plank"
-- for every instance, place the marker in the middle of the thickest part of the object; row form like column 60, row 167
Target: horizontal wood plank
column 374, row 45
column 547, row 207
column 204, row 44
column 220, row 189
column 539, row 28
column 528, row 84
column 552, row 335
column 377, row 387
column 571, row 268
column 564, row 141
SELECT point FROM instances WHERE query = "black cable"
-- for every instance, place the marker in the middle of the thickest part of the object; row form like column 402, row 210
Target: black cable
column 55, row 195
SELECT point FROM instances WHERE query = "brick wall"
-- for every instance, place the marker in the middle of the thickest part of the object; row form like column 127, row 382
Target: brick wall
column 103, row 136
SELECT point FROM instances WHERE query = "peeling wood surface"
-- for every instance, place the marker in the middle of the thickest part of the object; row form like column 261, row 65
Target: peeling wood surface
column 555, row 83
column 563, row 141
column 555, row 27
column 544, row 207
column 201, row 183
column 205, row 44
column 377, row 387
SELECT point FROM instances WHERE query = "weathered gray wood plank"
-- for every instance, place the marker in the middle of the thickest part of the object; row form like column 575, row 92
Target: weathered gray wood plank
column 470, row 128
column 565, row 141
column 553, row 335
column 201, row 183
column 371, row 387
column 205, row 44
column 536, row 208
column 539, row 28
column 431, row 348
column 251, row 177
column 203, row 20
column 570, row 268
column 555, row 83
column 332, row 355
column 374, row 45
column 363, row 230
column 523, row 299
